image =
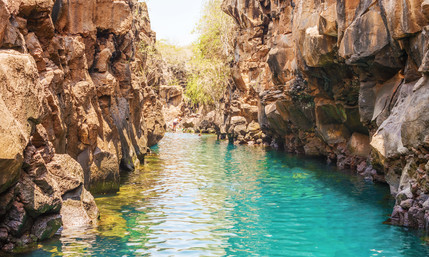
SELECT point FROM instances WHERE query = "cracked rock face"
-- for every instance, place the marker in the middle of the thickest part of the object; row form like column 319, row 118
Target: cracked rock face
column 74, row 109
column 342, row 79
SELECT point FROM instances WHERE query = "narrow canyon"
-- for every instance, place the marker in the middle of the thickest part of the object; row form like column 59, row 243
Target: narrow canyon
column 342, row 80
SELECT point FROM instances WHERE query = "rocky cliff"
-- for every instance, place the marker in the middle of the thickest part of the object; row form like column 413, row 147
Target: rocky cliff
column 75, row 110
column 344, row 79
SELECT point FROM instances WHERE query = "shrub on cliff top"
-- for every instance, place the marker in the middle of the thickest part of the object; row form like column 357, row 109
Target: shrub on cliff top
column 203, row 67
column 212, row 55
column 164, row 63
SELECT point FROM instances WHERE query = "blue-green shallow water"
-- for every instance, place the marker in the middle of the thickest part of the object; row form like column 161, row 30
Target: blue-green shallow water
column 199, row 197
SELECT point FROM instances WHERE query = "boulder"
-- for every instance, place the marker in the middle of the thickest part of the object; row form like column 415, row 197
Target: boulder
column 171, row 95
column 406, row 204
column 314, row 147
column 46, row 226
column 189, row 123
column 75, row 16
column 365, row 36
column 318, row 49
column 105, row 83
column 406, row 124
column 276, row 119
column 6, row 198
column 253, row 128
column 425, row 8
column 104, row 172
column 66, row 171
column 36, row 201
column 114, row 16
column 240, row 130
column 281, row 59
column 359, row 145
column 238, row 120
column 21, row 106
column 16, row 220
column 79, row 209
column 250, row 112
column 405, row 19
column 415, row 127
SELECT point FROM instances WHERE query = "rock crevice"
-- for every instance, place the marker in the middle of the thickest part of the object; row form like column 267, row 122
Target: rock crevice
column 342, row 79
column 75, row 108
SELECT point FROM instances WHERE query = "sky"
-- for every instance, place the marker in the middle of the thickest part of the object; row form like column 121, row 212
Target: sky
column 174, row 20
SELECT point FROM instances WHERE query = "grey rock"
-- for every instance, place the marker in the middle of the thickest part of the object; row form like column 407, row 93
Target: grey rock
column 240, row 130
column 404, row 195
column 406, row 204
column 45, row 227
column 238, row 120
column 426, row 204
column 16, row 219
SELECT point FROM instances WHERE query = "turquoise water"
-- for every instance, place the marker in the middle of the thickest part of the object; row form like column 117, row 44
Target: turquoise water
column 199, row 197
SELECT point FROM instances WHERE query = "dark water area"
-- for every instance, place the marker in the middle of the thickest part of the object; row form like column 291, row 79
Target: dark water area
column 196, row 196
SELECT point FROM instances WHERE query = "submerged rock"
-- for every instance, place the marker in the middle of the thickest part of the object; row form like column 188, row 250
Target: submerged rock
column 79, row 209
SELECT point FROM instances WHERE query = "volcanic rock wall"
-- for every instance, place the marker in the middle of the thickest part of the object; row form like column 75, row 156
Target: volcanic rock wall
column 344, row 79
column 75, row 108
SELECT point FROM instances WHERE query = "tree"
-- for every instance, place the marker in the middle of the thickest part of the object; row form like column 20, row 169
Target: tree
column 212, row 55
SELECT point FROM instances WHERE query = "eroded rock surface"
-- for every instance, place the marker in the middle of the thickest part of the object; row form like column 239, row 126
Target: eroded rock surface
column 341, row 79
column 75, row 109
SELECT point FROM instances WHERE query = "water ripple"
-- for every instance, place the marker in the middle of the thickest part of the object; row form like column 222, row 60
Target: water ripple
column 196, row 196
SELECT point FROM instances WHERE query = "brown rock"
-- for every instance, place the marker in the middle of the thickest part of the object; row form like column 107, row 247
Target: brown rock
column 104, row 172
column 238, row 120
column 4, row 16
column 81, row 84
column 366, row 36
column 425, row 8
column 253, row 128
column 324, row 75
column 406, row 204
column 21, row 103
column 76, row 16
column 105, row 83
column 318, row 50
column 112, row 15
column 103, row 60
column 6, row 199
column 74, row 213
column 66, row 171
column 404, row 19
column 240, row 130
column 16, row 220
column 359, row 145
column 36, row 202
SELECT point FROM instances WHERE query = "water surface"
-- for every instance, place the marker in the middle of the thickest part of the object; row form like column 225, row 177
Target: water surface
column 199, row 197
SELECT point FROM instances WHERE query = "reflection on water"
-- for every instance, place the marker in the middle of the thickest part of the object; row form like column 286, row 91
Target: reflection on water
column 199, row 197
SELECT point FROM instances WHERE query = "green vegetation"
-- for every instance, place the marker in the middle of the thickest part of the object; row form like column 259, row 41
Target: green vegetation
column 212, row 55
column 150, row 63
column 172, row 54
column 203, row 67
column 162, row 61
